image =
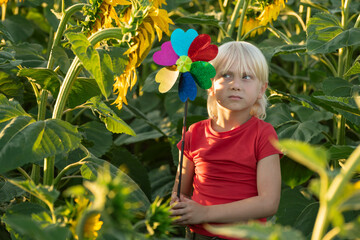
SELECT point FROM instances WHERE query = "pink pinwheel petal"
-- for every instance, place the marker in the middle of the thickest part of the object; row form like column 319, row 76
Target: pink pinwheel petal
column 201, row 49
column 166, row 56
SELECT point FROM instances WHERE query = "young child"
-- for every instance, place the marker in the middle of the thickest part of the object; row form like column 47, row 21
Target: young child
column 231, row 171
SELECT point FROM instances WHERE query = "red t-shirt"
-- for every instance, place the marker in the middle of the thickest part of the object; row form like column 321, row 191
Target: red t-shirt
column 225, row 162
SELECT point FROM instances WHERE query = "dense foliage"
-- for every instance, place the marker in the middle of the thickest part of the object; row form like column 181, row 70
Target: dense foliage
column 88, row 145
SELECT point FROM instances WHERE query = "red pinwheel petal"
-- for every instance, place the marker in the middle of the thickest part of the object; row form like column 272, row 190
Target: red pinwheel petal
column 201, row 49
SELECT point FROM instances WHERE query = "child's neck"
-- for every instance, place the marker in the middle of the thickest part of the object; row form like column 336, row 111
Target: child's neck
column 227, row 122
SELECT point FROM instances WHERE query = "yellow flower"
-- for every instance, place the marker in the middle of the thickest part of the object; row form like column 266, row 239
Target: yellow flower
column 82, row 204
column 157, row 21
column 256, row 18
column 117, row 2
column 271, row 12
column 107, row 14
column 92, row 226
column 158, row 3
column 152, row 20
column 3, row 1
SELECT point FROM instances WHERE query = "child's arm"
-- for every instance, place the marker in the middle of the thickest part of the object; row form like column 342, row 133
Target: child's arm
column 263, row 205
column 186, row 180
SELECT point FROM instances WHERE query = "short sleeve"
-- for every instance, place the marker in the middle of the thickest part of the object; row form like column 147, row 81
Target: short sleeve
column 265, row 145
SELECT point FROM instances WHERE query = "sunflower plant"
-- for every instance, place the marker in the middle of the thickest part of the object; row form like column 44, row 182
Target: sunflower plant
column 107, row 40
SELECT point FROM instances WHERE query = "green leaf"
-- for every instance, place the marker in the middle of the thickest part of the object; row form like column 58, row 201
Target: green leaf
column 46, row 78
column 5, row 32
column 153, row 134
column 8, row 192
column 338, row 87
column 140, row 115
column 325, row 34
column 9, row 86
column 288, row 49
column 90, row 59
column 131, row 165
column 18, row 27
column 276, row 94
column 162, row 181
column 24, row 140
column 351, row 203
column 352, row 230
column 112, row 122
column 31, row 229
column 38, row 19
column 339, row 105
column 97, row 139
column 301, row 131
column 306, row 114
column 29, row 54
column 278, row 114
column 340, row 151
column 198, row 19
column 26, row 208
column 45, row 193
column 292, row 203
column 149, row 126
column 306, row 220
column 61, row 59
column 255, row 230
column 90, row 170
column 82, row 90
column 149, row 85
column 10, row 110
column 173, row 106
column 354, row 69
column 314, row 158
column 107, row 72
column 293, row 173
column 119, row 61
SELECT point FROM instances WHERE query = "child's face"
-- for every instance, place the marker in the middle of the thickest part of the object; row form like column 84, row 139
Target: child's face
column 237, row 91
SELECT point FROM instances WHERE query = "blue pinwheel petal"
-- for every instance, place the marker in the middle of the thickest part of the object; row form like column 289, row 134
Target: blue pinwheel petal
column 187, row 87
column 181, row 40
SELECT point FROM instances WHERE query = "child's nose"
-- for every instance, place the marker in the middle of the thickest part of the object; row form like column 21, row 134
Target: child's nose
column 236, row 84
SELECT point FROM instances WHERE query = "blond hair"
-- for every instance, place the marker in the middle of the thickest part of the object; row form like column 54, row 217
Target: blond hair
column 249, row 59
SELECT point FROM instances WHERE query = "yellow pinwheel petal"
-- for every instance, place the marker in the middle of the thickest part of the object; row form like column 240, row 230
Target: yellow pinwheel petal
column 166, row 78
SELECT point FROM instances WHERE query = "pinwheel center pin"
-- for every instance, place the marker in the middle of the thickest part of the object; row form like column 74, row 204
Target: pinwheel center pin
column 184, row 64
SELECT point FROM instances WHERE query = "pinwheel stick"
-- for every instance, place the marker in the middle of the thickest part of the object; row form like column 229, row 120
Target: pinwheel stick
column 182, row 148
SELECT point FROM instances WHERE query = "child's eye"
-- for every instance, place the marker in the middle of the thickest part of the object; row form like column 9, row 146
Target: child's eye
column 247, row 77
column 226, row 75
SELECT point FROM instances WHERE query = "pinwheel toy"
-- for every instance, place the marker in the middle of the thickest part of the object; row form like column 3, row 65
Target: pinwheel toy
column 185, row 57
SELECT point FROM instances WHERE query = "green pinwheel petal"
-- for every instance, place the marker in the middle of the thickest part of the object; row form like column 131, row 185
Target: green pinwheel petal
column 202, row 73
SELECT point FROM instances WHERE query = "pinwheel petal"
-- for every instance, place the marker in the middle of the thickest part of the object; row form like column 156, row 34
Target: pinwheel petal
column 167, row 78
column 181, row 40
column 202, row 73
column 201, row 49
column 166, row 56
column 187, row 87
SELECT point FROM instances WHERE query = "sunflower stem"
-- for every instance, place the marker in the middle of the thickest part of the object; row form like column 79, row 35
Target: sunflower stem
column 61, row 28
column 234, row 16
column 76, row 68
column 49, row 166
column 242, row 17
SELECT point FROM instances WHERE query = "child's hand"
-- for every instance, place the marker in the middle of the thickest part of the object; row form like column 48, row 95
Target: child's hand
column 174, row 198
column 189, row 212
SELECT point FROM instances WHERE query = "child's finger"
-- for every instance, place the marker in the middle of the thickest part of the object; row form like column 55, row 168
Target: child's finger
column 178, row 205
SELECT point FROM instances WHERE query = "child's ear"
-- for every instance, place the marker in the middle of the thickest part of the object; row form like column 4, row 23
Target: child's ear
column 211, row 90
column 262, row 90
